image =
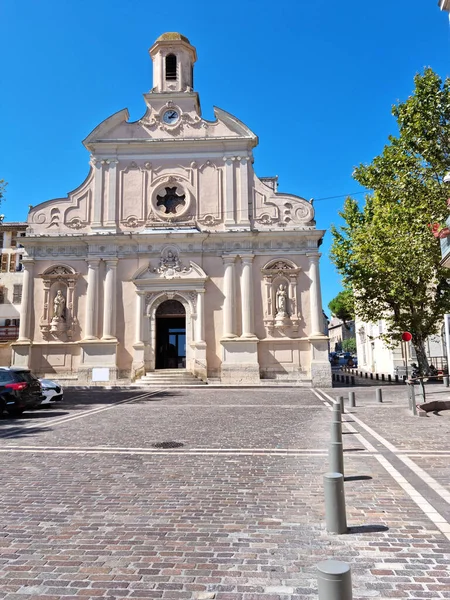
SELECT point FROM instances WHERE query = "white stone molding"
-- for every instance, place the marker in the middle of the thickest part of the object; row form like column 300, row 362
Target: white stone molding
column 281, row 272
column 242, row 208
column 92, row 300
column 109, row 300
column 140, row 310
column 98, row 193
column 111, row 216
column 58, row 278
column 26, row 304
column 200, row 321
column 315, row 296
column 229, row 190
column 247, row 310
column 229, row 312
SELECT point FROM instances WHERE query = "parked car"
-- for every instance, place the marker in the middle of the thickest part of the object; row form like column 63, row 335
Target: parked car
column 20, row 390
column 51, row 391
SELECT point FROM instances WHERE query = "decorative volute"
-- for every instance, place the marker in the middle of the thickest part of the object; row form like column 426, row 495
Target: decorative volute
column 173, row 64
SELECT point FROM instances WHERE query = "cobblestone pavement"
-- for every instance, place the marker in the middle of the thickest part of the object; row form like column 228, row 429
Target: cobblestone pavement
column 212, row 493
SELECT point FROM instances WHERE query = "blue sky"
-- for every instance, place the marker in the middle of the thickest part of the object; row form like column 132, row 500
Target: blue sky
column 314, row 80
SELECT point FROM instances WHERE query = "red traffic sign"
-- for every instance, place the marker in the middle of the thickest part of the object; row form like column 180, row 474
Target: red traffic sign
column 406, row 336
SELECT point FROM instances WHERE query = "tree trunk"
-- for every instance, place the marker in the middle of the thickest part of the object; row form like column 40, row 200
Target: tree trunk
column 419, row 347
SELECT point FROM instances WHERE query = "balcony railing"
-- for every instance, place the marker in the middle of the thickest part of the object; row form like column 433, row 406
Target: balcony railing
column 8, row 333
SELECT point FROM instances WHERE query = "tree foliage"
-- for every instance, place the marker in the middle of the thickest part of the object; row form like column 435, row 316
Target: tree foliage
column 385, row 251
column 342, row 306
column 3, row 185
column 349, row 345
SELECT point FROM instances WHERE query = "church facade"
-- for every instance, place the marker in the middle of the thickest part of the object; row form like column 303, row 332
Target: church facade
column 173, row 254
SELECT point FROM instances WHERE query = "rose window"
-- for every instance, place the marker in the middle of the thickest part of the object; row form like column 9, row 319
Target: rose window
column 171, row 202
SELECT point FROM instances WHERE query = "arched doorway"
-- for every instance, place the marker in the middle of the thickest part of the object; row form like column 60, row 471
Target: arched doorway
column 170, row 349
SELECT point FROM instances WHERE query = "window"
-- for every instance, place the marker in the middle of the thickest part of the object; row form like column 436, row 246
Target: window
column 171, row 67
column 2, row 295
column 4, row 263
column 12, row 263
column 17, row 294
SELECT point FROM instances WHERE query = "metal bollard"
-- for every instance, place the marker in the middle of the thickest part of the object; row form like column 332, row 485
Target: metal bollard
column 341, row 403
column 413, row 400
column 336, row 430
column 336, row 457
column 351, row 399
column 334, row 580
column 379, row 395
column 382, row 376
column 396, row 379
column 445, row 380
column 366, row 376
column 389, row 378
column 371, row 376
column 335, row 517
column 352, row 380
column 377, row 377
column 347, row 379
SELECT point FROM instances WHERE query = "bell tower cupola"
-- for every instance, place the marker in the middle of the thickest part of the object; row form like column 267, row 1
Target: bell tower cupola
column 173, row 64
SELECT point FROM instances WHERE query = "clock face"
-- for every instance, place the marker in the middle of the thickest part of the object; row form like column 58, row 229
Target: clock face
column 170, row 116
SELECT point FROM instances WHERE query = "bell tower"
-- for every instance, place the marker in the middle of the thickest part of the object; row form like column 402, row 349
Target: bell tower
column 173, row 64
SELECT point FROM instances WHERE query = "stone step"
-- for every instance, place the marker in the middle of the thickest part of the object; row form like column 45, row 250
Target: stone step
column 168, row 378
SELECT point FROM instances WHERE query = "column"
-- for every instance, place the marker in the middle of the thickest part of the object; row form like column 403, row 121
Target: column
column 92, row 300
column 315, row 296
column 229, row 190
column 140, row 309
column 248, row 325
column 200, row 323
column 112, row 186
column 98, row 192
column 25, row 306
column 229, row 319
column 243, row 216
column 109, row 300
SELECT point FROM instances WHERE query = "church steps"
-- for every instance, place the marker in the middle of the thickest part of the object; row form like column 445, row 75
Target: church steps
column 168, row 378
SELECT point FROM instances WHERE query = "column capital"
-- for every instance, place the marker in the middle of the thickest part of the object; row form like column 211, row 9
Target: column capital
column 229, row 258
column 93, row 262
column 111, row 262
column 28, row 262
column 313, row 256
column 247, row 258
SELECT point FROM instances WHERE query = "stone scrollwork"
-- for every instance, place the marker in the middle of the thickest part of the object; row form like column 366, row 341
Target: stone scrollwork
column 281, row 297
column 170, row 265
column 210, row 220
column 57, row 320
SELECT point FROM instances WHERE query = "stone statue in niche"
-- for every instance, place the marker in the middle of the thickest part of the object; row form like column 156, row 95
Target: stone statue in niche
column 59, row 313
column 281, row 301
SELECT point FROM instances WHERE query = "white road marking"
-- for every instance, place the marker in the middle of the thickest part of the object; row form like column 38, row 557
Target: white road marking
column 58, row 421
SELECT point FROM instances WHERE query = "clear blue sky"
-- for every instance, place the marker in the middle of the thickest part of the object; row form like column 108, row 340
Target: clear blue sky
column 314, row 80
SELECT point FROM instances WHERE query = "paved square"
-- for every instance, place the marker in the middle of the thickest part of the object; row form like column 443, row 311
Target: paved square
column 214, row 493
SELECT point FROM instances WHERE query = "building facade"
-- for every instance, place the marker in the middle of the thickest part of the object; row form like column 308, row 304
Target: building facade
column 374, row 356
column 173, row 253
column 338, row 331
column 11, row 275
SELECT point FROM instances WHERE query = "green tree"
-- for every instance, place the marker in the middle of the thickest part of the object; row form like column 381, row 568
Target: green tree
column 3, row 185
column 343, row 306
column 385, row 251
column 349, row 345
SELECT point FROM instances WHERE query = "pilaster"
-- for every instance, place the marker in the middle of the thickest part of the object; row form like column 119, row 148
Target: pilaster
column 109, row 300
column 92, row 300
column 229, row 312
column 27, row 294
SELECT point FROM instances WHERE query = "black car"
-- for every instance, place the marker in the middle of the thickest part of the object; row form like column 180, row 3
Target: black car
column 19, row 390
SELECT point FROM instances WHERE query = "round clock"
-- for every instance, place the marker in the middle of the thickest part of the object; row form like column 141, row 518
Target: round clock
column 170, row 116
